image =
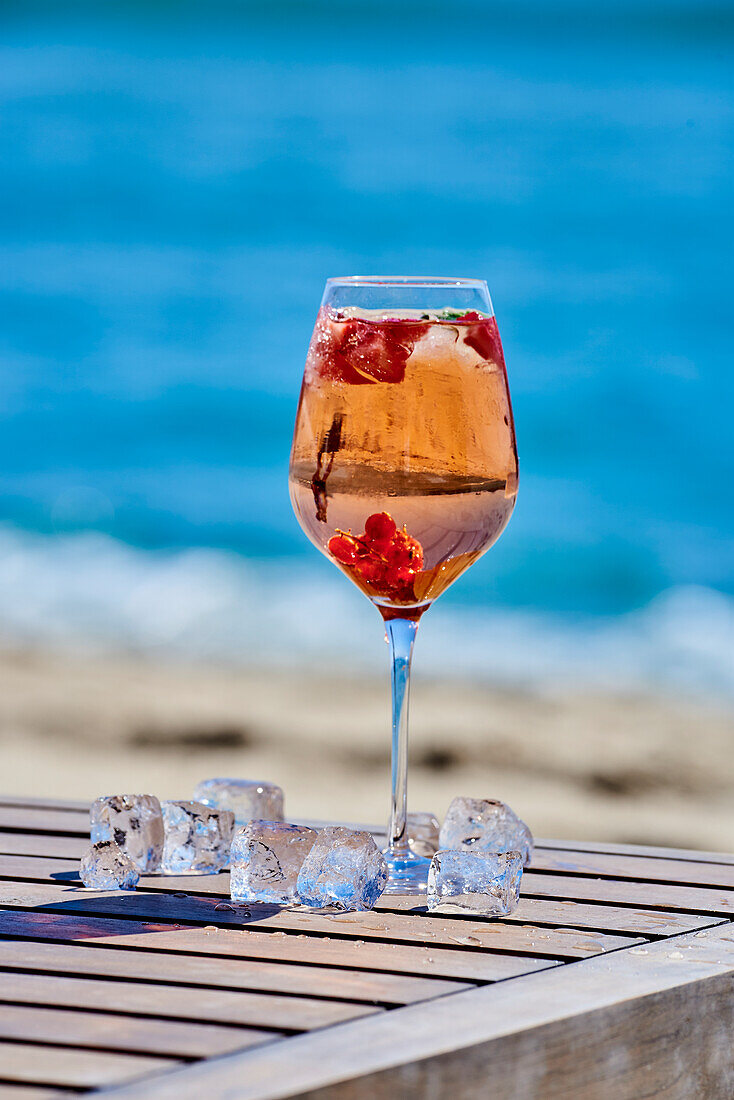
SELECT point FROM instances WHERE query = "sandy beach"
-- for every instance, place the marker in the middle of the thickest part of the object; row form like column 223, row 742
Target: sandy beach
column 635, row 769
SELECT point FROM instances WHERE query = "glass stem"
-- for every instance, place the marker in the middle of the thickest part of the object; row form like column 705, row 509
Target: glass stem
column 401, row 635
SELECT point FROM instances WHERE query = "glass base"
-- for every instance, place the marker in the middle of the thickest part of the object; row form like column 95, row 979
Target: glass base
column 407, row 874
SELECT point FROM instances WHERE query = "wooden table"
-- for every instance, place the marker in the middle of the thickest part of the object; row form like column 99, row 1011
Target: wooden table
column 613, row 979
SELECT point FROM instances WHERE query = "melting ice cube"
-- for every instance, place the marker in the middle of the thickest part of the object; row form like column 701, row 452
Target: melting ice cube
column 344, row 868
column 135, row 823
column 105, row 866
column 249, row 799
column 265, row 860
column 485, row 824
column 471, row 881
column 197, row 838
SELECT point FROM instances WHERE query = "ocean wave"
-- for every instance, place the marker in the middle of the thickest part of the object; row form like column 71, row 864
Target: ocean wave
column 93, row 594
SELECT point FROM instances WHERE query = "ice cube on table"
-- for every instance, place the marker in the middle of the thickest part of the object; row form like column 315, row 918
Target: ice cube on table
column 472, row 881
column 265, row 860
column 135, row 823
column 423, row 834
column 485, row 824
column 249, row 799
column 344, row 869
column 105, row 866
column 197, row 838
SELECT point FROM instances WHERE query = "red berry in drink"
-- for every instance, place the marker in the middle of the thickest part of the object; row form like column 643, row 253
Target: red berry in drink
column 343, row 548
column 364, row 352
column 382, row 557
column 373, row 353
column 398, row 554
column 484, row 339
column 381, row 549
column 379, row 526
column 371, row 571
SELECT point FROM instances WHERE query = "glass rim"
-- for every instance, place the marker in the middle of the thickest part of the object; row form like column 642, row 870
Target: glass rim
column 406, row 280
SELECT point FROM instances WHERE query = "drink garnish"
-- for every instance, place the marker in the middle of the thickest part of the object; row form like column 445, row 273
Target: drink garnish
column 384, row 558
column 361, row 353
column 482, row 336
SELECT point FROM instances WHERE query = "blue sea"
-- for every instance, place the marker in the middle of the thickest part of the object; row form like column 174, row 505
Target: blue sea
column 179, row 180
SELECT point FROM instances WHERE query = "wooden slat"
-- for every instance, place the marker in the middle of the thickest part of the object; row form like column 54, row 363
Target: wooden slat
column 621, row 892
column 105, row 1030
column 44, row 803
column 639, row 868
column 84, row 807
column 43, row 868
column 41, row 820
column 575, row 914
column 228, row 943
column 222, row 1006
column 634, row 850
column 40, row 1064
column 43, row 844
column 30, row 1092
column 222, row 973
column 638, row 1023
column 407, row 928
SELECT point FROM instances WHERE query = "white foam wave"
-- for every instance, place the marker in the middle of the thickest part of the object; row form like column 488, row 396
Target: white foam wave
column 90, row 592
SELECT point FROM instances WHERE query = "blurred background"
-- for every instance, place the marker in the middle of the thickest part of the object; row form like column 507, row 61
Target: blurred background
column 178, row 181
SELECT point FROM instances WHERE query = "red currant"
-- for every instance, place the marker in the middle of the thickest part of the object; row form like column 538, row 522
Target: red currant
column 343, row 549
column 380, row 526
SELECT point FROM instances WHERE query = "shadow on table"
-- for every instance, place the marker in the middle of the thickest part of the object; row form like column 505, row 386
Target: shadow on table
column 77, row 916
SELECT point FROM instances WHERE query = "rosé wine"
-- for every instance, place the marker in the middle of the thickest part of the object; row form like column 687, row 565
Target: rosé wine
column 404, row 465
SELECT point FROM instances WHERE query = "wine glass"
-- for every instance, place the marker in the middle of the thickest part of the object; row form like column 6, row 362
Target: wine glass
column 404, row 465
